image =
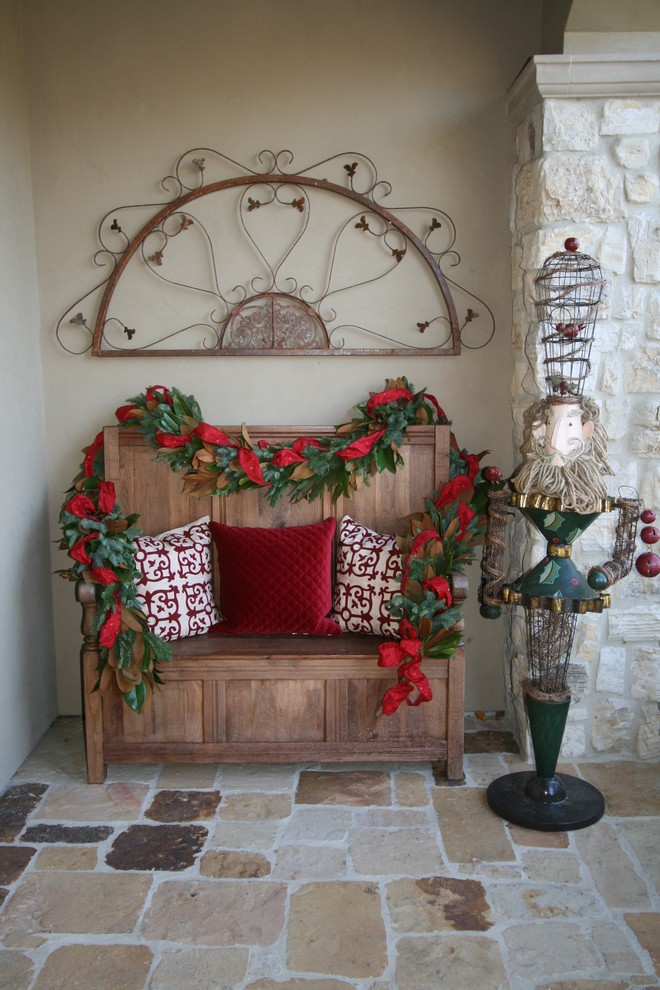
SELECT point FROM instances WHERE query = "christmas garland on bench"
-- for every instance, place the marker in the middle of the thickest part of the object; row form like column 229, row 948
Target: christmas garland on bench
column 439, row 540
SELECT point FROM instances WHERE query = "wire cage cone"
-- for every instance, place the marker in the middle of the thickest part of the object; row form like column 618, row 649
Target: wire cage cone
column 569, row 288
column 549, row 642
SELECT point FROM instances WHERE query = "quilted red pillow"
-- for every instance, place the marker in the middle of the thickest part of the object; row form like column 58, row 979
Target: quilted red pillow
column 275, row 580
column 175, row 588
column 368, row 574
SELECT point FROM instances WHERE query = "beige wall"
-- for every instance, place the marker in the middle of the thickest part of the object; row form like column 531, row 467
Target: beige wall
column 118, row 90
column 27, row 695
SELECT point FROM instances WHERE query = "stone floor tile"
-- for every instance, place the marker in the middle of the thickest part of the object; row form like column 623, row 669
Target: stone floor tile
column 192, row 775
column 411, row 790
column 183, row 806
column 65, row 901
column 257, row 836
column 137, row 773
column 235, row 865
column 642, row 836
column 383, row 852
column 630, row 789
column 531, row 837
column 551, row 866
column 459, row 962
column 617, row 948
column 490, row 741
column 539, row 953
column 255, row 807
column 75, row 834
column 436, row 904
column 355, row 788
column 156, row 847
column 392, row 818
column 16, row 805
column 67, row 858
column 611, row 868
column 309, row 863
column 58, row 757
column 105, row 967
column 200, row 969
column 470, row 830
column 646, row 927
column 92, row 803
column 336, row 929
column 482, row 768
column 258, row 777
column 585, row 985
column 16, row 970
column 525, row 901
column 13, row 860
column 324, row 824
column 300, row 984
column 210, row 912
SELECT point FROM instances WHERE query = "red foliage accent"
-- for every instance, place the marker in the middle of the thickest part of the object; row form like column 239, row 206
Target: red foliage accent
column 361, row 447
column 250, row 464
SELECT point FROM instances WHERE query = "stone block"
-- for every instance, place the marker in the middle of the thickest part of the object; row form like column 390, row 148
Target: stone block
column 647, row 413
column 633, row 152
column 612, row 869
column 629, row 302
column 569, row 126
column 640, row 187
column 630, row 117
column 611, row 670
column 609, row 375
column 648, row 734
column 645, row 675
column 646, row 443
column 614, row 418
column 644, row 232
column 611, row 728
column 574, row 742
column 579, row 188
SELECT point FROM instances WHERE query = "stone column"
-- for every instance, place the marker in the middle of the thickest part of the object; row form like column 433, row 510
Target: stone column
column 588, row 166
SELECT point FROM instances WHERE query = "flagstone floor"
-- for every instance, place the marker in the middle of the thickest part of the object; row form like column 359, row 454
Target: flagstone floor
column 320, row 877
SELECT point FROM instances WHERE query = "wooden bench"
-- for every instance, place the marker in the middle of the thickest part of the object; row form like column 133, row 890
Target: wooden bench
column 274, row 699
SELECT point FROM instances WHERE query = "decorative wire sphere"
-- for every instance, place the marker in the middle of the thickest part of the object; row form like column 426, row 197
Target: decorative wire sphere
column 569, row 288
column 549, row 642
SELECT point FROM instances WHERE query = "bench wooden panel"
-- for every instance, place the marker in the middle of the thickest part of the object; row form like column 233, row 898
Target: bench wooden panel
column 273, row 699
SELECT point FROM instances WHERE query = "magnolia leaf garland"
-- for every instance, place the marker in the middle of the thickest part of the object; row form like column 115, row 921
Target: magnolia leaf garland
column 438, row 540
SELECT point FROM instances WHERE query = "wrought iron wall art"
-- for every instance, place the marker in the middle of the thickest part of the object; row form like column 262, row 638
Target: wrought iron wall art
column 270, row 261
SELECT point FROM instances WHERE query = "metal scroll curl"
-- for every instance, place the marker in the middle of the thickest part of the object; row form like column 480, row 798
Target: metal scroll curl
column 271, row 260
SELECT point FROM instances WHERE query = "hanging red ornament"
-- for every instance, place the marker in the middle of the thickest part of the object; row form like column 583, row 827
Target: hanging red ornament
column 648, row 516
column 650, row 534
column 492, row 473
column 648, row 564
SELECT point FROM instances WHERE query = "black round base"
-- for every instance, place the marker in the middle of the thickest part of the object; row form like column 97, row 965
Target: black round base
column 582, row 806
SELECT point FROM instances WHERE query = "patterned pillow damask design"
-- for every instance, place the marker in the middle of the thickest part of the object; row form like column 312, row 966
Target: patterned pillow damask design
column 368, row 574
column 175, row 589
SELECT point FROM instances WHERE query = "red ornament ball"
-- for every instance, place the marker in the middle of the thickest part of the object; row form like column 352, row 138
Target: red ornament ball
column 492, row 473
column 648, row 516
column 650, row 534
column 571, row 244
column 648, row 564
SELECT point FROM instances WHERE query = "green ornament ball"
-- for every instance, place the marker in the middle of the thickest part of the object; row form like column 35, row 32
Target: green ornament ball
column 490, row 611
column 598, row 580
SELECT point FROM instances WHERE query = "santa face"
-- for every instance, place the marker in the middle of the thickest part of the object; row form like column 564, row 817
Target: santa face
column 561, row 435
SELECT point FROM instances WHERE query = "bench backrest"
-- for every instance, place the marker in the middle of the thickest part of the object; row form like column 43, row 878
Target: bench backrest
column 149, row 487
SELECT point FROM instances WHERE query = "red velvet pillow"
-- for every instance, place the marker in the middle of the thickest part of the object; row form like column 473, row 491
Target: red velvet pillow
column 275, row 580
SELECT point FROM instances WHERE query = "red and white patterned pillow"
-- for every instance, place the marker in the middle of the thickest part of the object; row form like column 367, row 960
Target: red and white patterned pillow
column 368, row 574
column 175, row 589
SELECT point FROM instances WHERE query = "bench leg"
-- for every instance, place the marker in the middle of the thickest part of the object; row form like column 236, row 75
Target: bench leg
column 455, row 717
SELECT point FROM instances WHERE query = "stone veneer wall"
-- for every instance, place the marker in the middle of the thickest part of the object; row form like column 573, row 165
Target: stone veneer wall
column 588, row 166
